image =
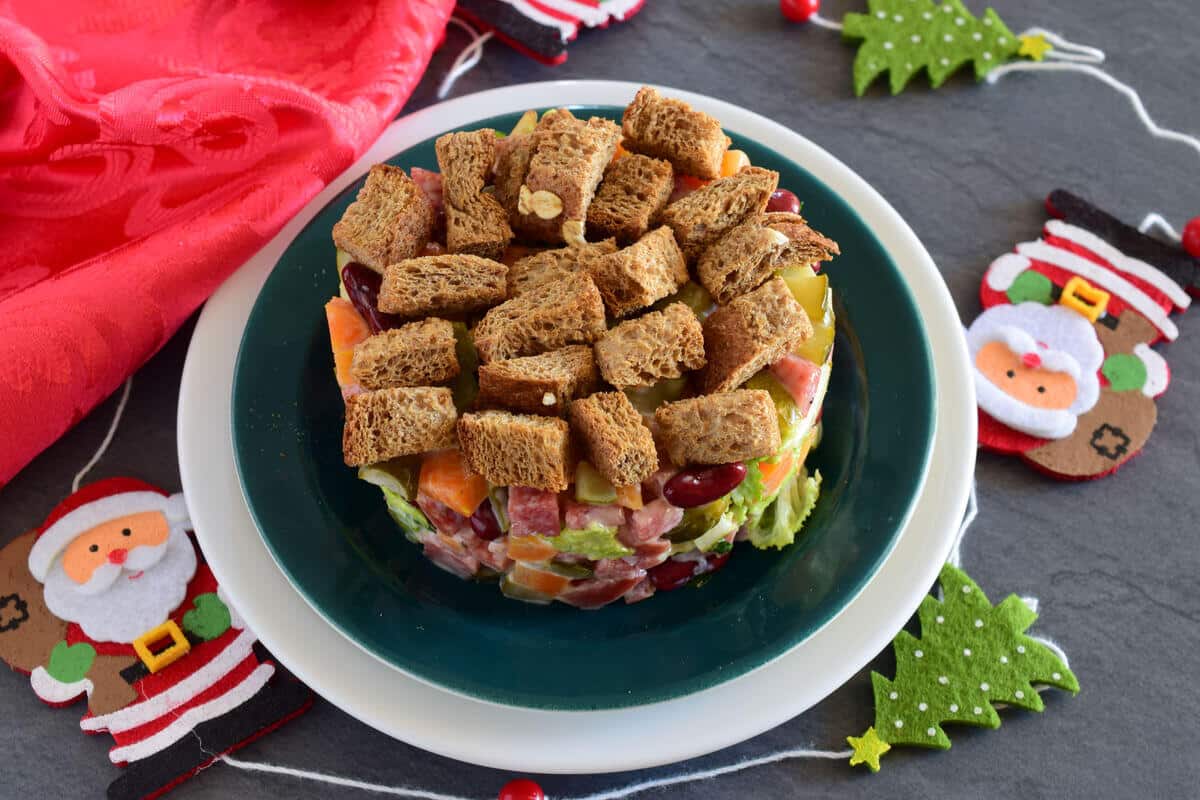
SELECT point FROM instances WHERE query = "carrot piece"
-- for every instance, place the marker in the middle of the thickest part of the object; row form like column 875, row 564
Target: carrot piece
column 732, row 162
column 545, row 582
column 530, row 548
column 346, row 329
column 773, row 474
column 445, row 478
column 630, row 496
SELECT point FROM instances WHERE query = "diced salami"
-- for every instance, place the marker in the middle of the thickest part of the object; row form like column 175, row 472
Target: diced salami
column 617, row 569
column 443, row 517
column 594, row 592
column 532, row 511
column 431, row 184
column 492, row 554
column 581, row 515
column 464, row 565
column 652, row 487
column 640, row 592
column 652, row 553
column 649, row 522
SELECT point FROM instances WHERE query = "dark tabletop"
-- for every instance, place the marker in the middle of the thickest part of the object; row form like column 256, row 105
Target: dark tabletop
column 1115, row 563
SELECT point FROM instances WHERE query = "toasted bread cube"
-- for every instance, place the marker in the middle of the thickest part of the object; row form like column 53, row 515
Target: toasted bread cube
column 389, row 423
column 719, row 428
column 445, row 284
column 547, row 317
column 616, row 438
column 417, row 354
column 542, row 384
column 568, row 160
column 740, row 261
column 518, row 449
column 551, row 265
column 512, row 162
column 805, row 246
column 657, row 346
column 391, row 220
column 664, row 127
column 754, row 331
column 641, row 274
column 476, row 223
column 633, row 193
column 703, row 216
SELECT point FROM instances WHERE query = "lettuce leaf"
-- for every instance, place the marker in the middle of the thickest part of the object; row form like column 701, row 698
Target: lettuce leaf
column 782, row 519
column 410, row 518
column 745, row 500
column 594, row 542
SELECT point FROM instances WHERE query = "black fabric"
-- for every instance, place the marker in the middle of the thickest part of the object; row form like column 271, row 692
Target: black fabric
column 514, row 27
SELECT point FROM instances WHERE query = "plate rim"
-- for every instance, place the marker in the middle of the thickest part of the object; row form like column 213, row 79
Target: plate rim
column 431, row 717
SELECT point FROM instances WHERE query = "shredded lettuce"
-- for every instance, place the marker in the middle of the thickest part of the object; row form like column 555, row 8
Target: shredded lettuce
column 410, row 518
column 781, row 520
column 716, row 534
column 745, row 499
column 595, row 542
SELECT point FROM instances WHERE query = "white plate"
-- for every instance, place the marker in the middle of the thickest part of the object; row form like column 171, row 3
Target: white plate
column 559, row 741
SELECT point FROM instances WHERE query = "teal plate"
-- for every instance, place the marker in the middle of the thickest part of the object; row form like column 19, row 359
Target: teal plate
column 332, row 536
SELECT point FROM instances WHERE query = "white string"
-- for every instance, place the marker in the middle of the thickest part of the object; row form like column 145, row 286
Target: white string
column 108, row 437
column 337, row 780
column 1099, row 74
column 1066, row 50
column 1154, row 220
column 822, row 22
column 467, row 59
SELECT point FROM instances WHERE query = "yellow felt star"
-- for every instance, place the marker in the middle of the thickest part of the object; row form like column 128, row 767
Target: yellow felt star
column 1035, row 47
column 867, row 749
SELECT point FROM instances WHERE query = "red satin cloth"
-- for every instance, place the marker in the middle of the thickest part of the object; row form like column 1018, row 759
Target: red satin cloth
column 147, row 149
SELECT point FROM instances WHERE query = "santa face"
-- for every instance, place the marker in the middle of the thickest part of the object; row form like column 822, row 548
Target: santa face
column 122, row 578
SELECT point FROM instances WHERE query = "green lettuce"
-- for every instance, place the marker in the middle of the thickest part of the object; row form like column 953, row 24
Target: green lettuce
column 747, row 497
column 781, row 520
column 410, row 518
column 594, row 542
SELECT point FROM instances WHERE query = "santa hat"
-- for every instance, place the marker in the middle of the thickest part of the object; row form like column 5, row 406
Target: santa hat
column 94, row 505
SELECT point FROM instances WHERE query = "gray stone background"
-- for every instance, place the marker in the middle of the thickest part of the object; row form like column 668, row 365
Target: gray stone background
column 1115, row 563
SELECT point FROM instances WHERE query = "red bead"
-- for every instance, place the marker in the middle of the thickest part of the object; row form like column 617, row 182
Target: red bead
column 1191, row 237
column 522, row 789
column 799, row 10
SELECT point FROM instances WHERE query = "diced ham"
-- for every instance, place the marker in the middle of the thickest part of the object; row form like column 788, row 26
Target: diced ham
column 442, row 516
column 431, row 184
column 594, row 592
column 617, row 569
column 640, row 592
column 492, row 554
column 532, row 511
column 652, row 487
column 437, row 550
column 580, row 515
column 649, row 522
column 652, row 553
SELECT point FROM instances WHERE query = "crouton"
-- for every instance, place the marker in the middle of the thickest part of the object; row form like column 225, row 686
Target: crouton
column 476, row 223
column 657, row 346
column 754, row 331
column 634, row 191
column 805, row 246
column 445, row 284
column 568, row 160
column 542, row 384
column 703, row 216
column 389, row 221
column 551, row 265
column 719, row 428
column 740, row 261
column 616, row 439
column 417, row 354
column 547, row 317
column 512, row 162
column 518, row 449
column 389, row 423
column 668, row 128
column 637, row 276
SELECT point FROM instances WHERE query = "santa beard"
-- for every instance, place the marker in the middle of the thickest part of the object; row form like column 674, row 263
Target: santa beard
column 127, row 608
column 1044, row 423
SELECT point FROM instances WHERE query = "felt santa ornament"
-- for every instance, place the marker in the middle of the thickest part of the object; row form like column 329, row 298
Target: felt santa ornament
column 109, row 600
column 1065, row 374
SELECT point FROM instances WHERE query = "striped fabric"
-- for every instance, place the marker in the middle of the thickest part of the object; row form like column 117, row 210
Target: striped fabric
column 542, row 28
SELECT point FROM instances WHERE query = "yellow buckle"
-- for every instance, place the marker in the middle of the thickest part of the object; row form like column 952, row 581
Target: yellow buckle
column 156, row 660
column 1079, row 295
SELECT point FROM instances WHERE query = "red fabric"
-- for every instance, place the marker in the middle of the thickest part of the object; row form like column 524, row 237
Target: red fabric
column 148, row 149
column 96, row 491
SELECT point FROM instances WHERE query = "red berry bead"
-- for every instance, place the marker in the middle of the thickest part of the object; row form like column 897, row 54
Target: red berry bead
column 799, row 10
column 522, row 789
column 1191, row 237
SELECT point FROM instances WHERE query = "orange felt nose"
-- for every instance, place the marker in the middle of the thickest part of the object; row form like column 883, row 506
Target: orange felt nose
column 117, row 556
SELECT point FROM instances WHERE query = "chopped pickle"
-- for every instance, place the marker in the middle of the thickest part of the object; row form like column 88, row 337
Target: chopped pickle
column 698, row 520
column 813, row 293
column 499, row 495
column 594, row 542
column 785, row 405
column 592, row 487
column 399, row 475
column 651, row 397
column 572, row 571
column 511, row 589
column 466, row 385
column 526, row 123
column 692, row 295
column 343, row 258
column 717, row 533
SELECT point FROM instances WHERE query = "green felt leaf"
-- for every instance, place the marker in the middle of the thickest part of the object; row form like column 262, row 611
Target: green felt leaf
column 209, row 617
column 1031, row 286
column 69, row 664
column 902, row 37
column 970, row 655
column 1124, row 371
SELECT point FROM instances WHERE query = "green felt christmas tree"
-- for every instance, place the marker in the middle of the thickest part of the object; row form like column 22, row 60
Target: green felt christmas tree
column 970, row 655
column 901, row 37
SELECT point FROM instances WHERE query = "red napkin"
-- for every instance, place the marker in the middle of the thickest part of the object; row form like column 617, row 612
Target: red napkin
column 147, row 149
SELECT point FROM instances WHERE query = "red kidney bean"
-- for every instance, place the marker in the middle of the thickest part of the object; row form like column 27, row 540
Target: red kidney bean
column 783, row 200
column 484, row 522
column 716, row 560
column 672, row 573
column 696, row 486
column 362, row 286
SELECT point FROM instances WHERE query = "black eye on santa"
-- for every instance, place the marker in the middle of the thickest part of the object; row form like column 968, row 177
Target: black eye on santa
column 1011, row 374
column 95, row 548
column 1041, row 390
column 126, row 532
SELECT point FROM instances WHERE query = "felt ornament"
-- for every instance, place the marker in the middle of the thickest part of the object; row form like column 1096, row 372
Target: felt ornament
column 1065, row 372
column 109, row 600
column 970, row 656
column 542, row 29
